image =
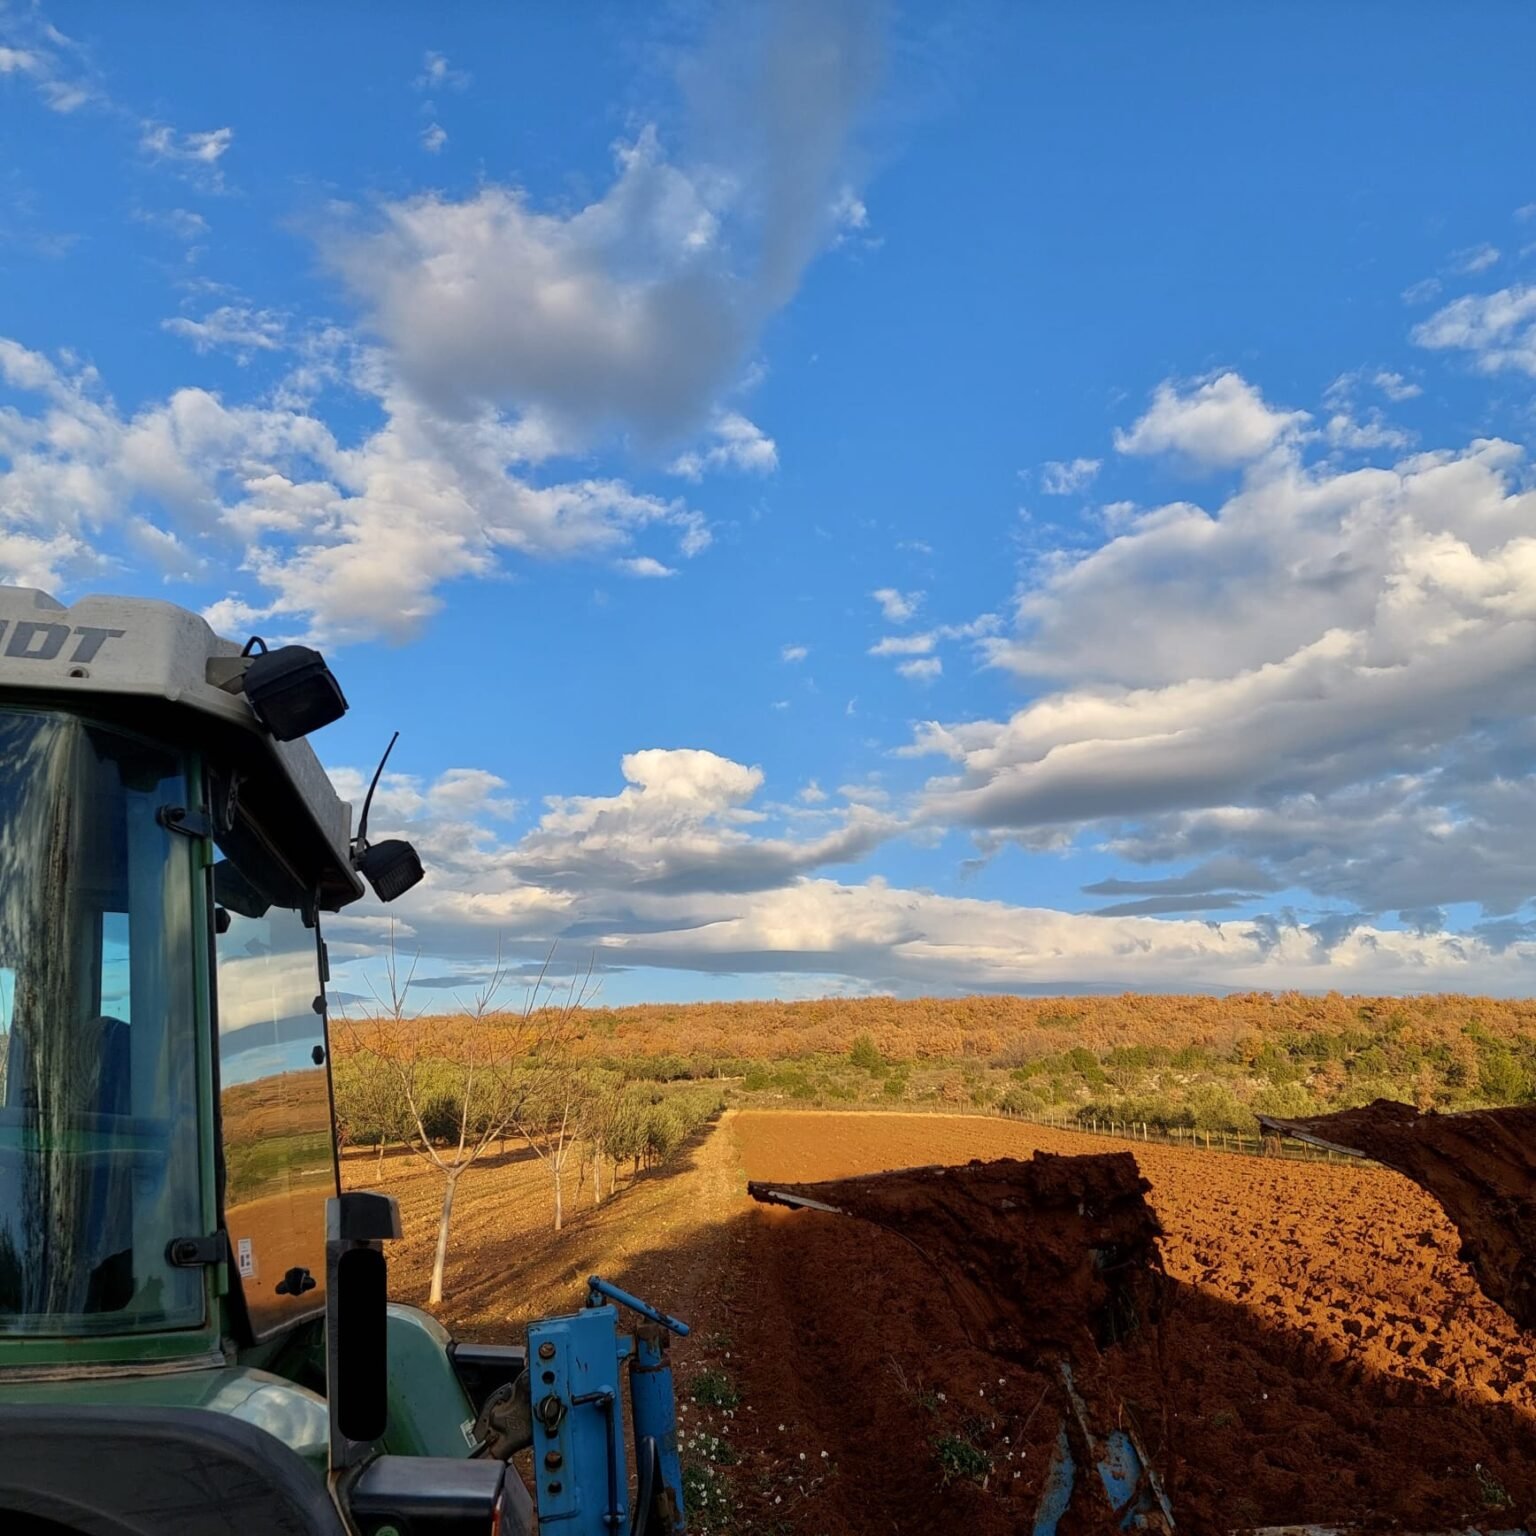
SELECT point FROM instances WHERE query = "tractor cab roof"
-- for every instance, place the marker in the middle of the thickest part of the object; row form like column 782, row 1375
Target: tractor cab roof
column 159, row 670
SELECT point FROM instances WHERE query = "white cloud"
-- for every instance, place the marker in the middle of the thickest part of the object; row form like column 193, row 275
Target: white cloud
column 234, row 328
column 1345, row 430
column 1422, row 292
column 1499, row 329
column 44, row 61
column 645, row 566
column 739, row 444
column 1333, row 659
column 926, row 642
column 812, row 793
column 897, row 607
column 335, row 539
column 1220, row 420
column 180, row 222
column 1066, row 477
column 633, row 314
column 905, row 645
column 670, row 873
column 437, row 74
column 1395, row 387
column 195, row 155
column 924, row 670
column 433, row 137
column 1476, row 258
column 794, row 653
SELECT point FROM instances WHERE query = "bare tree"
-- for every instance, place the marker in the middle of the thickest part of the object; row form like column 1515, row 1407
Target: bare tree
column 464, row 1081
column 552, row 1119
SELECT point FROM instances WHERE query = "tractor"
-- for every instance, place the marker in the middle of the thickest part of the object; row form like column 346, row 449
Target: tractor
column 196, row 1335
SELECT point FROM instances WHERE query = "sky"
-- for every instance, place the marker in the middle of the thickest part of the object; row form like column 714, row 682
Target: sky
column 836, row 498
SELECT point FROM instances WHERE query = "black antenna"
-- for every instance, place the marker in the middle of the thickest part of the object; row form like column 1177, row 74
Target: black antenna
column 361, row 840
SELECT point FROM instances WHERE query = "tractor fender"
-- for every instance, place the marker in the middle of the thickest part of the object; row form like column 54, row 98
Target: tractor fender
column 149, row 1471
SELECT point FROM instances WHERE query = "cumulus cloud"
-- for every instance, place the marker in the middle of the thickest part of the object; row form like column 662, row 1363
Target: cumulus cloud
column 1498, row 329
column 794, row 653
column 1066, row 477
column 235, row 328
column 673, row 872
column 1395, row 387
column 645, row 566
column 1333, row 658
column 897, row 607
column 496, row 336
column 926, row 666
column 738, row 444
column 636, row 311
column 433, row 137
column 1220, row 420
column 345, row 540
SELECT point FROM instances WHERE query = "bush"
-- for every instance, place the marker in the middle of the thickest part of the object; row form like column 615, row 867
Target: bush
column 866, row 1054
column 1018, row 1100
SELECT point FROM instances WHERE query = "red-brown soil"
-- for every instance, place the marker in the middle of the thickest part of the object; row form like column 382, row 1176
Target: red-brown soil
column 1480, row 1166
column 1325, row 1355
column 1055, row 1253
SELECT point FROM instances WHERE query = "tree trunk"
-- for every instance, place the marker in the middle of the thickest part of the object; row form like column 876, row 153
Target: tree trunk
column 440, row 1258
column 597, row 1178
column 555, row 1173
column 378, row 1167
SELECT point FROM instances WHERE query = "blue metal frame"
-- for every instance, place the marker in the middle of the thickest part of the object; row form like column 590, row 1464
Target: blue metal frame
column 575, row 1368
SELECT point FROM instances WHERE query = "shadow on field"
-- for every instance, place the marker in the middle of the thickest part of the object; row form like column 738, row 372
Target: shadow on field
column 505, row 1284
column 841, row 1339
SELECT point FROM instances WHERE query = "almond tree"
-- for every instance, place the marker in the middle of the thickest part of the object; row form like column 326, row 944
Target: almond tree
column 470, row 1076
column 553, row 1118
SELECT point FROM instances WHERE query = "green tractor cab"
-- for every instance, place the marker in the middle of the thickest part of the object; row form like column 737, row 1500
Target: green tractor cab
column 195, row 1335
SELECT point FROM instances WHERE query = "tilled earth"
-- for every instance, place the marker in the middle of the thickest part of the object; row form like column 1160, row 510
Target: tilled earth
column 1322, row 1353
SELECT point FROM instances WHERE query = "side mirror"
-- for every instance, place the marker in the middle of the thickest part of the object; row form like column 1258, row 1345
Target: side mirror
column 357, row 1225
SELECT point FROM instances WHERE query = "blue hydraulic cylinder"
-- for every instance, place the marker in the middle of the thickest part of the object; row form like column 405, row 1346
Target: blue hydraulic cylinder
column 655, row 1415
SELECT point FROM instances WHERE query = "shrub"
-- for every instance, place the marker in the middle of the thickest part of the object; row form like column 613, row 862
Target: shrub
column 1018, row 1100
column 866, row 1054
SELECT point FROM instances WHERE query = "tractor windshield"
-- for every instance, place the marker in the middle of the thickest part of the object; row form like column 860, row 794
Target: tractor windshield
column 98, row 1072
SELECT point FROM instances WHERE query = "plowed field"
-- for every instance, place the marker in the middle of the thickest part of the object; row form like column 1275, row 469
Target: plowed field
column 1325, row 1355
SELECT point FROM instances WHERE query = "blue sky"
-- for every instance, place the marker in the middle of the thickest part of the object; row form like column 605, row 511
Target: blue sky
column 836, row 498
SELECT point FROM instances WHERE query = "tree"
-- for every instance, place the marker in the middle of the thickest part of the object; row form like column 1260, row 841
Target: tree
column 464, row 1080
column 553, row 1117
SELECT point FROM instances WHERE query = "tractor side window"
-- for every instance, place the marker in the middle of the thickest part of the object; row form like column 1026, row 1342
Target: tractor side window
column 274, row 1105
column 98, row 1034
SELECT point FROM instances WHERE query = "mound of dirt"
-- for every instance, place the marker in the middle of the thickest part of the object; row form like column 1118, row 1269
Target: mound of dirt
column 1480, row 1165
column 1040, row 1255
column 1320, row 1354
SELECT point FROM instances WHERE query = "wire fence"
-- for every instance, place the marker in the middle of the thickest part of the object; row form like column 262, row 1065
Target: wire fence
column 1187, row 1136
column 1243, row 1143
